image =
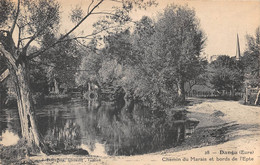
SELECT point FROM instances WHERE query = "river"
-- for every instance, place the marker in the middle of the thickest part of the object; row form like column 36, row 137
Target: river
column 101, row 128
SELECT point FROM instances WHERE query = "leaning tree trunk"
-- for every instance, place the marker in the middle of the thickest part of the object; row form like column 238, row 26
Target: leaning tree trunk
column 20, row 75
column 181, row 91
column 25, row 107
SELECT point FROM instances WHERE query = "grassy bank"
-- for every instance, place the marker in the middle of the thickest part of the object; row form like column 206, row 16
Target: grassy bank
column 14, row 154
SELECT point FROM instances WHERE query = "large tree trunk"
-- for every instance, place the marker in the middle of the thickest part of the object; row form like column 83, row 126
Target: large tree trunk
column 20, row 75
column 25, row 107
column 181, row 91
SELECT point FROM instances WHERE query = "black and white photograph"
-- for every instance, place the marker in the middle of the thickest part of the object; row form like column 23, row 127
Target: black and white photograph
column 130, row 82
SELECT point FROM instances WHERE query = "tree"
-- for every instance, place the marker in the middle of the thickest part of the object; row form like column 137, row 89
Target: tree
column 157, row 58
column 61, row 61
column 251, row 61
column 251, row 58
column 178, row 42
column 165, row 53
column 120, row 63
column 34, row 19
column 89, row 68
column 226, row 74
column 101, row 66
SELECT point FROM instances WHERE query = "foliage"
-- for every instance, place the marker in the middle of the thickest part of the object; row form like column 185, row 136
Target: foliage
column 39, row 17
column 38, row 22
column 38, row 77
column 168, row 52
column 62, row 60
column 76, row 14
column 202, row 78
column 33, row 20
column 178, row 44
column 6, row 9
column 14, row 154
column 251, row 59
column 226, row 73
column 88, row 69
column 149, row 62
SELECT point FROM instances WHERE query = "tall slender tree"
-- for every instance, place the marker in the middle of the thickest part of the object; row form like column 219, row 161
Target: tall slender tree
column 179, row 41
column 251, row 60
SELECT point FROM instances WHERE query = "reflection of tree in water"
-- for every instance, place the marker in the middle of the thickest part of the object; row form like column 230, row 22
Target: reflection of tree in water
column 63, row 134
column 9, row 120
column 137, row 132
column 125, row 130
column 87, row 120
column 3, row 122
column 128, row 131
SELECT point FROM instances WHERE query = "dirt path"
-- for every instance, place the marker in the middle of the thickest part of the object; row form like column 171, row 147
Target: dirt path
column 228, row 133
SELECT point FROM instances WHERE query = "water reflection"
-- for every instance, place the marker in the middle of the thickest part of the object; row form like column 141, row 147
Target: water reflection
column 9, row 127
column 102, row 128
column 59, row 128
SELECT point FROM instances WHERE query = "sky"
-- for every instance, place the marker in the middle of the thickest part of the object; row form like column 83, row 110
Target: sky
column 221, row 20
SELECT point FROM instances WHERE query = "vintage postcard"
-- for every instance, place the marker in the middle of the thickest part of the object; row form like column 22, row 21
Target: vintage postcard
column 130, row 82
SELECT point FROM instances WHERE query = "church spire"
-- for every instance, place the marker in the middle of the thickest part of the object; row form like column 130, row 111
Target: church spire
column 238, row 55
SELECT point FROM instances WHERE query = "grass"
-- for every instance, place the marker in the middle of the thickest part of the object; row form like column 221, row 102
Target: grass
column 14, row 154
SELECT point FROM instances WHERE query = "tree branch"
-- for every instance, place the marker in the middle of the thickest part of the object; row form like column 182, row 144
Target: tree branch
column 8, row 56
column 43, row 63
column 33, row 55
column 93, row 34
column 29, row 42
column 90, row 5
column 107, row 13
column 19, row 37
column 87, row 36
column 32, row 38
column 116, row 1
column 83, row 19
column 89, row 47
column 26, row 38
column 15, row 18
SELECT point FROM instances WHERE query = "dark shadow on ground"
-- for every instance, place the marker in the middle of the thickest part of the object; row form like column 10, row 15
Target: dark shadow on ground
column 214, row 135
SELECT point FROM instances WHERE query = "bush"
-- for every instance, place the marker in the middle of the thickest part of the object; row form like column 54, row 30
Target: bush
column 14, row 154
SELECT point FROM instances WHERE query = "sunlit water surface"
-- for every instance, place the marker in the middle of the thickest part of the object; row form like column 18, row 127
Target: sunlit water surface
column 100, row 128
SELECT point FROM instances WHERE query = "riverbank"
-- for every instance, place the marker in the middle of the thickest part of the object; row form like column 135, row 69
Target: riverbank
column 227, row 130
column 39, row 100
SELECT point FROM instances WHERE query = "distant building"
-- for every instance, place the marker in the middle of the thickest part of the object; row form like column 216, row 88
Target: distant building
column 237, row 56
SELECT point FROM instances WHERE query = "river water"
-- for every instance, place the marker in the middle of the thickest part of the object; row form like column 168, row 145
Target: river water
column 101, row 128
